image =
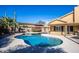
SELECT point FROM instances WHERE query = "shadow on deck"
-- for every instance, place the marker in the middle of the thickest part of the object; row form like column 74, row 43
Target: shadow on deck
column 36, row 49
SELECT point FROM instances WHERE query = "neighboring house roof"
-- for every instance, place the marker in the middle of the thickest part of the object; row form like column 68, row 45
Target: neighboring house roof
column 30, row 24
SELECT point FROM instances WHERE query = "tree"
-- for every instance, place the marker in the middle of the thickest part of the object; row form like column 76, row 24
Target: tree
column 4, row 22
column 7, row 23
column 41, row 22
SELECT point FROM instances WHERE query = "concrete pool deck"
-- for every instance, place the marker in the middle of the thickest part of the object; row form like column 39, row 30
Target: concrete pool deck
column 67, row 45
column 12, row 46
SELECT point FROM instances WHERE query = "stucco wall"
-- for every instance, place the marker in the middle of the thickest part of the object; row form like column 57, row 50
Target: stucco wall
column 68, row 18
column 57, row 33
column 76, row 14
column 57, row 22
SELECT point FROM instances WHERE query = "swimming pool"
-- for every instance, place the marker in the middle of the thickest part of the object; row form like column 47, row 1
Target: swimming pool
column 38, row 40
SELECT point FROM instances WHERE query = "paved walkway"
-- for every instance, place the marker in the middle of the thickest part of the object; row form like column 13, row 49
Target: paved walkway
column 67, row 45
column 73, row 38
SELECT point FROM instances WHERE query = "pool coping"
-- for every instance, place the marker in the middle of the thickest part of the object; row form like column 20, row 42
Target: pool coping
column 67, row 45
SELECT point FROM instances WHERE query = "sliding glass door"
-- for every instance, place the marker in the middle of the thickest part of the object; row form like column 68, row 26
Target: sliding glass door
column 58, row 28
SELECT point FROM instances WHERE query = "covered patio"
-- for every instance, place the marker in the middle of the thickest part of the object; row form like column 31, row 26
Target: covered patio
column 64, row 25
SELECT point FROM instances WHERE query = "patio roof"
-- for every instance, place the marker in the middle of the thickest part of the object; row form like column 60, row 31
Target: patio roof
column 57, row 22
column 66, row 19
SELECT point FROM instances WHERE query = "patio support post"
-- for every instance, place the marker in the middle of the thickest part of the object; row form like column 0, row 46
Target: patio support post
column 31, row 29
column 65, row 30
column 42, row 29
column 74, row 29
column 74, row 21
column 50, row 29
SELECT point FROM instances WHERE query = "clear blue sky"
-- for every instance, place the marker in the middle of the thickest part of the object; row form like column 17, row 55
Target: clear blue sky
column 34, row 13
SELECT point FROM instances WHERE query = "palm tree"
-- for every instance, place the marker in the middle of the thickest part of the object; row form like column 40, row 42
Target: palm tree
column 4, row 22
column 8, row 23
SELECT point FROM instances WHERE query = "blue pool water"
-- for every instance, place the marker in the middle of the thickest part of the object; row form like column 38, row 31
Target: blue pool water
column 38, row 40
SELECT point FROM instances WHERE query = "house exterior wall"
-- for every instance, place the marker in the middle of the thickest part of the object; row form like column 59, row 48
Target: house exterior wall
column 52, row 31
column 57, row 22
column 76, row 14
column 33, row 27
column 45, row 29
column 69, row 19
column 57, row 33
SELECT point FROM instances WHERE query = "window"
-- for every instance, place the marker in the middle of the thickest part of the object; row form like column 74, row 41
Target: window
column 70, row 28
column 58, row 28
